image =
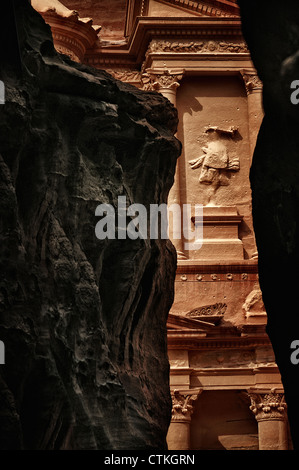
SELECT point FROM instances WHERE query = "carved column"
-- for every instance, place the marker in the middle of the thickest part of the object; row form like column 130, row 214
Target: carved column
column 254, row 89
column 166, row 82
column 270, row 412
column 178, row 437
column 163, row 81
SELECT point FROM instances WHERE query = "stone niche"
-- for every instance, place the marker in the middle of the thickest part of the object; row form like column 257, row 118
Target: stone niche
column 222, row 420
column 215, row 162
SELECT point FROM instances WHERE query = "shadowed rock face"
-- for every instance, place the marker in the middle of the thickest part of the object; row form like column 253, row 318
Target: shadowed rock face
column 83, row 320
column 272, row 32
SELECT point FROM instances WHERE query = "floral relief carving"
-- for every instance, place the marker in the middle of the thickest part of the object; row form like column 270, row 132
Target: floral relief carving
column 129, row 76
column 208, row 310
column 153, row 80
column 183, row 405
column 267, row 406
column 252, row 82
column 204, row 46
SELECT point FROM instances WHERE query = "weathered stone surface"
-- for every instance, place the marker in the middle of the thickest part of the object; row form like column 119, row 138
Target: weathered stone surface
column 83, row 320
column 272, row 33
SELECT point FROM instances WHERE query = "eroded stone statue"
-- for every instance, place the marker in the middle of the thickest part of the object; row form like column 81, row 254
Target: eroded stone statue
column 215, row 164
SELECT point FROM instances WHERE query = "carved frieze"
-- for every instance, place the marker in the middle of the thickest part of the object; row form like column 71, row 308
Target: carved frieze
column 204, row 46
column 128, row 76
column 207, row 310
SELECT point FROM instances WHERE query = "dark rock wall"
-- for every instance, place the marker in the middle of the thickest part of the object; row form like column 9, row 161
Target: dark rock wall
column 271, row 30
column 83, row 320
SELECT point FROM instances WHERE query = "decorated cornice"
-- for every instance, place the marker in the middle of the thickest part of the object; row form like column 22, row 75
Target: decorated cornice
column 241, row 270
column 206, row 8
column 217, row 338
column 210, row 275
column 209, row 36
column 207, row 46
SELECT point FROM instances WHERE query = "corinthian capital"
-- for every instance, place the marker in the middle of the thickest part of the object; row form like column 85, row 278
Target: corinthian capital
column 183, row 405
column 161, row 79
column 268, row 406
column 252, row 81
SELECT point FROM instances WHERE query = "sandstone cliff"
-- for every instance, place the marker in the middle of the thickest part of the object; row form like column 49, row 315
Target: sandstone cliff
column 272, row 32
column 83, row 320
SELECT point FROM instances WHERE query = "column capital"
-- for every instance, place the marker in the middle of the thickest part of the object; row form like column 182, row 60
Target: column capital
column 252, row 81
column 268, row 406
column 161, row 79
column 183, row 404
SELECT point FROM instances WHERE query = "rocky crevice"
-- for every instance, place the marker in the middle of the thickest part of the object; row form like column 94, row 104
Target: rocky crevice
column 272, row 34
column 83, row 320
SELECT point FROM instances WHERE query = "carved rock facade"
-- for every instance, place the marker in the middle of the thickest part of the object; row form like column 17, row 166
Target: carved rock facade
column 194, row 54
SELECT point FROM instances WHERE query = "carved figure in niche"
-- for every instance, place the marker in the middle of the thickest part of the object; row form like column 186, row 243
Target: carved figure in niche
column 215, row 164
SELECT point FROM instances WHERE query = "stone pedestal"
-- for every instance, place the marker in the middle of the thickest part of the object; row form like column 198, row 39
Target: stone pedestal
column 220, row 234
column 270, row 412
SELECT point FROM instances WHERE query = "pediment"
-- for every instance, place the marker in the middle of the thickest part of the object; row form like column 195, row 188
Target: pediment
column 218, row 8
column 181, row 322
column 200, row 318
